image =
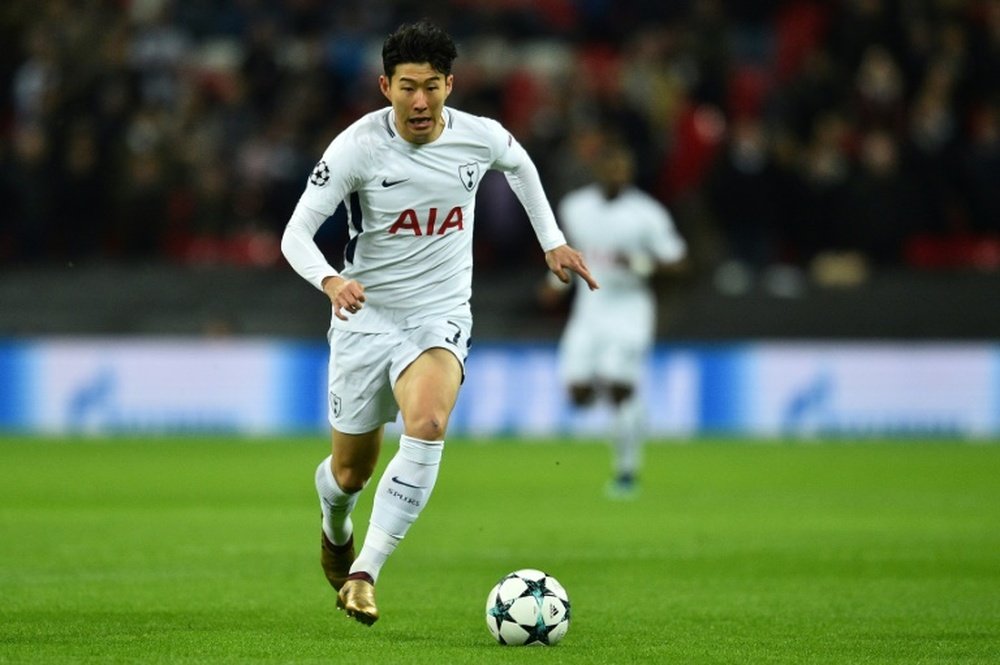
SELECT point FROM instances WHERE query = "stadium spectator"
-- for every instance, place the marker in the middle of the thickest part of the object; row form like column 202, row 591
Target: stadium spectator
column 879, row 91
column 981, row 171
column 28, row 176
column 744, row 193
column 823, row 177
column 879, row 212
column 932, row 146
column 81, row 207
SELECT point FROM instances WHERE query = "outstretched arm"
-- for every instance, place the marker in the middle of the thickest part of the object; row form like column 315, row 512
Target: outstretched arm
column 523, row 177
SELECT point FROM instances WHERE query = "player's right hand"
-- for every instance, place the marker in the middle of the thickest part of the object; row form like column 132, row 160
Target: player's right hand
column 564, row 258
column 347, row 295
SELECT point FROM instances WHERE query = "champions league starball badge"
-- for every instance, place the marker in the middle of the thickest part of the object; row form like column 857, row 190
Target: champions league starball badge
column 320, row 175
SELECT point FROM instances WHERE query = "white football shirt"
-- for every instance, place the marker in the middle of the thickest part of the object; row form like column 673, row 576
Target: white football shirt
column 608, row 232
column 411, row 213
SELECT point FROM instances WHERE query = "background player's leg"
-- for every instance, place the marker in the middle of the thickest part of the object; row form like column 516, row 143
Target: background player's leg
column 426, row 392
column 627, row 437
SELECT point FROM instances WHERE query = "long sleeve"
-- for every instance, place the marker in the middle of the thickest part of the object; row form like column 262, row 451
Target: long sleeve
column 300, row 249
column 522, row 175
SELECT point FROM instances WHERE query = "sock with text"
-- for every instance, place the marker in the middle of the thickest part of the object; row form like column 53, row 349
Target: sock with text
column 403, row 491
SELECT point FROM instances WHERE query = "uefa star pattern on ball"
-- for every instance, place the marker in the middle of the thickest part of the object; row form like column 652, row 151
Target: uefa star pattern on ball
column 528, row 607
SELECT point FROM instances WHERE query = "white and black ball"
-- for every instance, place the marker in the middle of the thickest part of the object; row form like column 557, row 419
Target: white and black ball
column 528, row 607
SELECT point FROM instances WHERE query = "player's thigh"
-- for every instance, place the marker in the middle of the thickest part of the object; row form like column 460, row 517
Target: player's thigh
column 428, row 365
column 622, row 362
column 579, row 351
column 426, row 392
column 360, row 391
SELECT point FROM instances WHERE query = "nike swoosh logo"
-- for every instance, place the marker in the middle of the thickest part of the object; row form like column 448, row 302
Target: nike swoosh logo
column 396, row 480
column 389, row 183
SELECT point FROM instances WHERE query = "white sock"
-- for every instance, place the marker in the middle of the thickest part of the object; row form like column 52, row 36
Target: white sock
column 627, row 437
column 403, row 491
column 335, row 503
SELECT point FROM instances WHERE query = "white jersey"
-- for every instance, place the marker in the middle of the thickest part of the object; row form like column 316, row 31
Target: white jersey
column 411, row 213
column 608, row 233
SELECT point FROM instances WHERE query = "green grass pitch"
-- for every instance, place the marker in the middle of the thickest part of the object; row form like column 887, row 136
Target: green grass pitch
column 198, row 550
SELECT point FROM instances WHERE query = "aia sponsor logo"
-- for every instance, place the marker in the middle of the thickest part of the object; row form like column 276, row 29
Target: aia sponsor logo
column 409, row 221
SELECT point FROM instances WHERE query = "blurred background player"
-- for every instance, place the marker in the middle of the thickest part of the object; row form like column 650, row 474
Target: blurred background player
column 402, row 323
column 628, row 237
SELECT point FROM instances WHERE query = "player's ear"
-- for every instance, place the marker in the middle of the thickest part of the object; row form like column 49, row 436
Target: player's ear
column 384, row 85
column 448, row 82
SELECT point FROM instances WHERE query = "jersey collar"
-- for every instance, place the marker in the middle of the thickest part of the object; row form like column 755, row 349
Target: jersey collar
column 389, row 121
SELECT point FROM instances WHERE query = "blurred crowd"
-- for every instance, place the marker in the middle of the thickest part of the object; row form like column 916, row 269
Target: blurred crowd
column 791, row 139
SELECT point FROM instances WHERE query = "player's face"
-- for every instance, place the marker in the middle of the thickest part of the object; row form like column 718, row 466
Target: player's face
column 417, row 93
column 616, row 170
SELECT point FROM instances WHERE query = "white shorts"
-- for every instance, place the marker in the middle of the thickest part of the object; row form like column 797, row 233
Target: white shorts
column 593, row 354
column 364, row 368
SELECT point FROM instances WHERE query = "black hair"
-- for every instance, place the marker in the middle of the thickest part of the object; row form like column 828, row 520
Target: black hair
column 419, row 42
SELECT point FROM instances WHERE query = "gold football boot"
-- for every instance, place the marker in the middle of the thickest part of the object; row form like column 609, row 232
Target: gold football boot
column 336, row 561
column 357, row 598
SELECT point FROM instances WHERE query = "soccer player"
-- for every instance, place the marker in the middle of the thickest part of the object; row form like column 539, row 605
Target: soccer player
column 401, row 321
column 627, row 236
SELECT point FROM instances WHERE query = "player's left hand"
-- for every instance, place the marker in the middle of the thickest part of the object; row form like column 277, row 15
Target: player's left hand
column 564, row 258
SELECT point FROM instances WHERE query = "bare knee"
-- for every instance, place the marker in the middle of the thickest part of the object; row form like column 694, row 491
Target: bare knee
column 351, row 480
column 426, row 425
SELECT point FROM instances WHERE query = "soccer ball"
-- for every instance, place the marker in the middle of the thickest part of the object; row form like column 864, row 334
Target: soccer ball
column 527, row 607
